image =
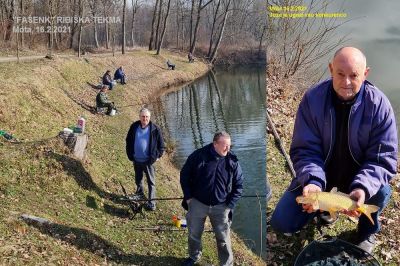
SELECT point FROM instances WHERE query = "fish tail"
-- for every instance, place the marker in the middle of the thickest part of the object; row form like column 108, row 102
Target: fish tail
column 367, row 210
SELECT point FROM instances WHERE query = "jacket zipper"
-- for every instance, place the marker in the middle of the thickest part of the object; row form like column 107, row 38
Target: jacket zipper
column 379, row 151
column 348, row 136
column 330, row 143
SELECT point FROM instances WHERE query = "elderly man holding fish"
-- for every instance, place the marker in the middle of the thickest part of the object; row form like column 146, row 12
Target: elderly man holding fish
column 344, row 137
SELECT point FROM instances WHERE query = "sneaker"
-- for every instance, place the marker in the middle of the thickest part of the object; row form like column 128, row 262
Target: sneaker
column 368, row 244
column 188, row 262
column 326, row 219
column 149, row 207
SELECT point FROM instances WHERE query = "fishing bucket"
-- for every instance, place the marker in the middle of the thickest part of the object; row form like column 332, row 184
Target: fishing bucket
column 334, row 252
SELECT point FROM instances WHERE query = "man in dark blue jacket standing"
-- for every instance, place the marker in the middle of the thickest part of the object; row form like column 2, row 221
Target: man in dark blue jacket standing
column 144, row 146
column 212, row 183
column 344, row 136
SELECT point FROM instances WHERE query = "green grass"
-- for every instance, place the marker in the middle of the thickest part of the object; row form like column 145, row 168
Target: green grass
column 40, row 176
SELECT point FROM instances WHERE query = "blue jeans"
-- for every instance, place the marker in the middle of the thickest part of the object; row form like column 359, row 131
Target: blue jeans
column 218, row 215
column 289, row 217
column 147, row 169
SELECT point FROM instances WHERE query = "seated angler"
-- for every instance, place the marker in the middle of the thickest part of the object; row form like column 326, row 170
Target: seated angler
column 170, row 65
column 107, row 80
column 120, row 75
column 191, row 58
column 102, row 100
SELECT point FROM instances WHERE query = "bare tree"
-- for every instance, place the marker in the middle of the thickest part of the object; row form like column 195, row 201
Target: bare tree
column 298, row 44
column 221, row 32
column 196, row 28
column 164, row 28
column 213, row 27
column 9, row 9
column 123, row 27
column 93, row 8
column 152, row 25
column 81, row 12
column 158, row 21
column 135, row 8
column 73, row 26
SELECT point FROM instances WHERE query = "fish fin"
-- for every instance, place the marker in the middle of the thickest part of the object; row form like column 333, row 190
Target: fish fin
column 315, row 205
column 367, row 210
column 335, row 191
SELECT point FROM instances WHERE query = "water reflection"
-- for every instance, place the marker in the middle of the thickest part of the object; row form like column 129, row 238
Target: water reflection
column 231, row 100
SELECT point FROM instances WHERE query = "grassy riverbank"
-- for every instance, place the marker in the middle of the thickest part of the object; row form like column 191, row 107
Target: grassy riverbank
column 283, row 99
column 40, row 177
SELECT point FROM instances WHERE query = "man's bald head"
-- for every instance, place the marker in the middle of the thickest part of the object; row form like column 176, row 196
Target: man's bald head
column 351, row 53
column 349, row 70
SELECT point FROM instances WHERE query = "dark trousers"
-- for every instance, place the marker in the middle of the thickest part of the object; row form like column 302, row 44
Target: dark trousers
column 289, row 216
column 121, row 78
column 149, row 171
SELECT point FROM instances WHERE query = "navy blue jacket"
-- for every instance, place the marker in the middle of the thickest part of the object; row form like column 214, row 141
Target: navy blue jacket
column 212, row 179
column 372, row 137
column 119, row 73
column 157, row 146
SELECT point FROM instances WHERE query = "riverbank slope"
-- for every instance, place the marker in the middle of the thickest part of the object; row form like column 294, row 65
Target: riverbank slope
column 40, row 177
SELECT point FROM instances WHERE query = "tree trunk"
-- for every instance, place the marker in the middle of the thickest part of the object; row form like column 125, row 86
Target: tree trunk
column 196, row 28
column 164, row 28
column 93, row 8
column 212, row 29
column 261, row 40
column 22, row 7
column 10, row 15
column 177, row 24
column 191, row 24
column 152, row 26
column 214, row 52
column 50, row 34
column 134, row 10
column 71, row 40
column 107, row 30
column 158, row 22
column 123, row 27
column 80, row 28
column 96, row 39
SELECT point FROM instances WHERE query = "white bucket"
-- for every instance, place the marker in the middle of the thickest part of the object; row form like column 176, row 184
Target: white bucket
column 113, row 112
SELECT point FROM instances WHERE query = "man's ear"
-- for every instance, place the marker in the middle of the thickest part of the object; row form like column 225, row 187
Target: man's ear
column 366, row 72
column 331, row 68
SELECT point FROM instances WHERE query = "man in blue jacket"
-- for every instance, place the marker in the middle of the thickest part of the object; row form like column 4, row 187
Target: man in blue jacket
column 120, row 75
column 144, row 146
column 344, row 136
column 212, row 183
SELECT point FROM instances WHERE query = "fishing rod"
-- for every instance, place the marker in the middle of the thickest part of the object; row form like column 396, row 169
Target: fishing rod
column 138, row 199
column 128, row 198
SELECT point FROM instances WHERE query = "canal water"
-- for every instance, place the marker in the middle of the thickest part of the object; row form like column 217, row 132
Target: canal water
column 232, row 100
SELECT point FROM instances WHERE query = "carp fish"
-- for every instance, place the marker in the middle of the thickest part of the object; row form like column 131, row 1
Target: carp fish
column 335, row 201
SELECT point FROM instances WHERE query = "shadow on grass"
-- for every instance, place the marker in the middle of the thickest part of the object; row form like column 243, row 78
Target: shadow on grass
column 76, row 169
column 116, row 211
column 93, row 86
column 85, row 106
column 85, row 240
